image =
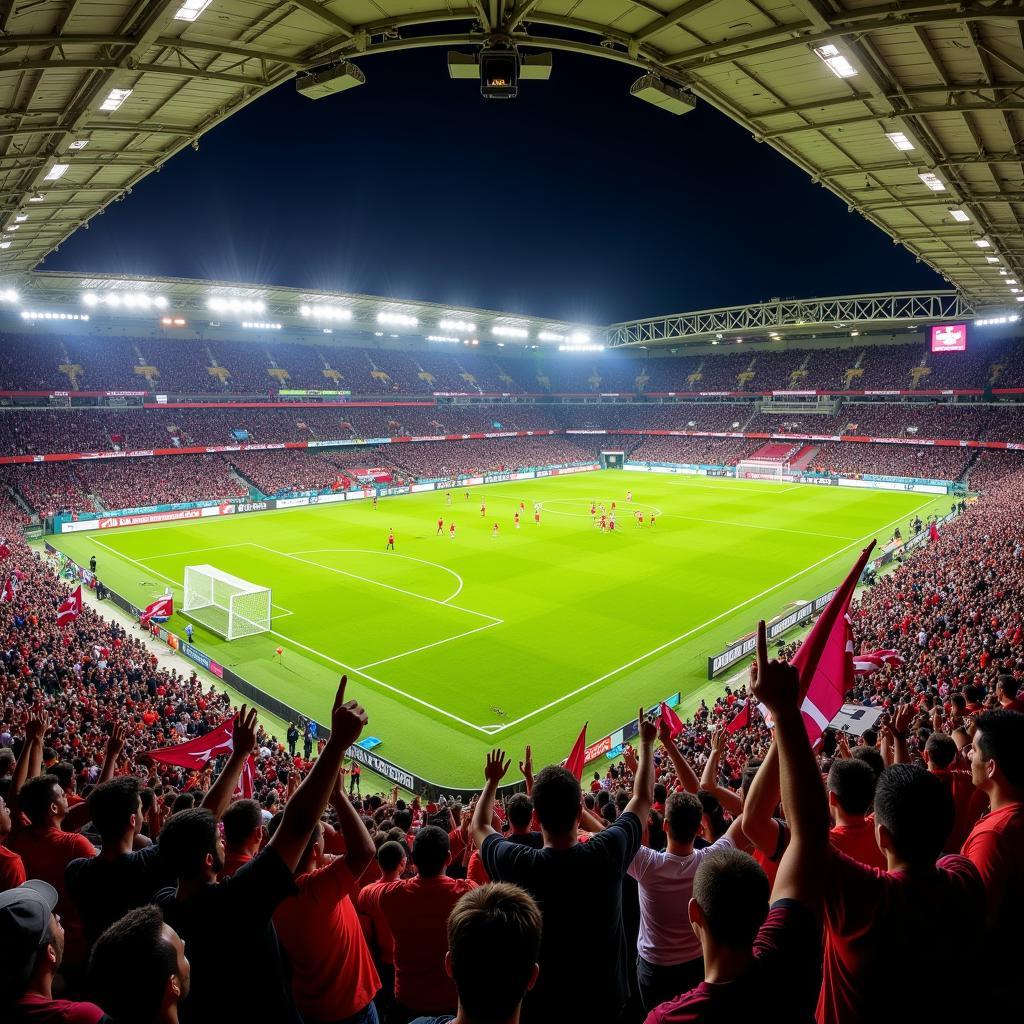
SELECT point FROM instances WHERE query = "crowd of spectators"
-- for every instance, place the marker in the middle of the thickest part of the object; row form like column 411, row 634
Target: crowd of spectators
column 277, row 473
column 153, row 894
column 923, row 462
column 136, row 483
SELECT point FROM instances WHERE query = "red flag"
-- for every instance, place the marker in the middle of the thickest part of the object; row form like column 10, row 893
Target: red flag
column 575, row 760
column 872, row 661
column 195, row 753
column 825, row 658
column 247, row 780
column 741, row 719
column 161, row 608
column 70, row 609
column 10, row 588
column 4, row 549
column 933, row 532
column 675, row 727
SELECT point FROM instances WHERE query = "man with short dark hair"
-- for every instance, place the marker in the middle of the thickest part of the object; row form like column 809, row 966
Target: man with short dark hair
column 12, row 870
column 227, row 926
column 139, row 970
column 578, row 885
column 1007, row 690
column 243, row 833
column 851, row 789
column 669, row 958
column 496, row 925
column 105, row 887
column 996, row 843
column 416, row 910
column 32, row 941
column 760, row 959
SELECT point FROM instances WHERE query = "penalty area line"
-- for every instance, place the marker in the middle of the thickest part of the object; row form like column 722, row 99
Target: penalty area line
column 710, row 622
column 436, row 643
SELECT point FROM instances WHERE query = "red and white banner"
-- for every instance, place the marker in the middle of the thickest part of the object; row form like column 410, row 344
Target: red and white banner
column 161, row 609
column 195, row 754
column 70, row 609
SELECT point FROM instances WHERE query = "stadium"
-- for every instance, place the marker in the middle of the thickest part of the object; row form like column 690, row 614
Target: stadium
column 507, row 525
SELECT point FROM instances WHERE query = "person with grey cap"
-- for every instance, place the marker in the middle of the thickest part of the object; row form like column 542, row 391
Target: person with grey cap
column 32, row 941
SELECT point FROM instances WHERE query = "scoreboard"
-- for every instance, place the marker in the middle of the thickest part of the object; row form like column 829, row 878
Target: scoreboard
column 949, row 338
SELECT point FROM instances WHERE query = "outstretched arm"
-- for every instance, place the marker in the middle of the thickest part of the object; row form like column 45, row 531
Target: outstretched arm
column 79, row 816
column 643, row 778
column 243, row 743
column 684, row 772
column 303, row 811
column 731, row 801
column 526, row 767
column 359, row 848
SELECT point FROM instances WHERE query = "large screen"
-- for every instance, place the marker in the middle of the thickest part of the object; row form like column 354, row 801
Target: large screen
column 949, row 338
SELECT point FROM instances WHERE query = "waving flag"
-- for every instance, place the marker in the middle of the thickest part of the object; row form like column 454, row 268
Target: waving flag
column 70, row 609
column 575, row 760
column 10, row 588
column 4, row 548
column 825, row 658
column 933, row 532
column 872, row 661
column 675, row 726
column 741, row 719
column 196, row 753
column 161, row 610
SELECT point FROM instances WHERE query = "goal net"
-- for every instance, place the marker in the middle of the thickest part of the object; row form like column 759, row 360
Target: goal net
column 761, row 469
column 229, row 606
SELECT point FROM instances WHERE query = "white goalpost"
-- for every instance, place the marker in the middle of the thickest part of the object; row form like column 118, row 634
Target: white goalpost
column 761, row 469
column 229, row 606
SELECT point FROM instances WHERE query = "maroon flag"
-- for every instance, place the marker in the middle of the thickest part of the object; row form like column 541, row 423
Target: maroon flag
column 675, row 726
column 4, row 549
column 70, row 609
column 197, row 752
column 825, row 658
column 10, row 588
column 575, row 760
column 741, row 719
column 871, row 661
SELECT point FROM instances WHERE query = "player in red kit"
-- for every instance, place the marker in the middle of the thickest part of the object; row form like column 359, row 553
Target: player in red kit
column 440, row 526
column 517, row 520
column 494, row 530
column 391, row 541
column 652, row 519
column 536, row 515
column 640, row 519
column 604, row 523
column 451, row 532
column 375, row 501
column 593, row 508
column 483, row 511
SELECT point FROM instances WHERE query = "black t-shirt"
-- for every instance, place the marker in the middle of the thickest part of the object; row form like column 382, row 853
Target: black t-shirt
column 104, row 891
column 238, row 971
column 579, row 891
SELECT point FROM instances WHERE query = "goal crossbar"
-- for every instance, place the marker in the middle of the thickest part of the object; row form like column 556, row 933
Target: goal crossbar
column 228, row 605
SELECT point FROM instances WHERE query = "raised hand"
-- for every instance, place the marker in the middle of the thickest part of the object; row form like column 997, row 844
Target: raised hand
column 718, row 742
column 37, row 726
column 243, row 731
column 843, row 751
column 664, row 732
column 496, row 766
column 777, row 683
column 902, row 718
column 645, row 727
column 348, row 717
column 526, row 765
column 115, row 744
column 629, row 760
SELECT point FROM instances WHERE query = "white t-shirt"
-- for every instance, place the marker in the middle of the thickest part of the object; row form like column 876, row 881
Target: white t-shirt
column 666, row 886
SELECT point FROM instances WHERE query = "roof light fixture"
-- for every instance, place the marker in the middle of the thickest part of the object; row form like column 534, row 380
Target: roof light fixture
column 79, row 144
column 115, row 98
column 325, row 312
column 21, row 217
column 900, row 141
column 259, row 325
column 992, row 259
column 37, row 198
column 191, row 9
column 960, row 216
column 504, row 331
column 932, row 181
column 457, row 326
column 550, row 336
column 56, row 171
column 8, row 295
column 33, row 315
column 396, row 319
column 837, row 63
column 983, row 243
column 233, row 304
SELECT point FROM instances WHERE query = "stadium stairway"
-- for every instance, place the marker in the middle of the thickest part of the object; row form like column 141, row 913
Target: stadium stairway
column 244, row 480
column 803, row 458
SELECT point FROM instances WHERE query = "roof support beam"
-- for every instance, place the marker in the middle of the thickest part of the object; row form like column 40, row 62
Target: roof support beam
column 670, row 19
column 324, row 15
column 113, row 65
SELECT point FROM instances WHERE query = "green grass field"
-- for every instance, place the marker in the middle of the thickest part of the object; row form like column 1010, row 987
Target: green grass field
column 455, row 646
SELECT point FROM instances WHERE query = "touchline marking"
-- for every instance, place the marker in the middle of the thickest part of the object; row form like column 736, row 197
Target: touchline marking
column 387, row 586
column 426, row 647
column 389, row 554
column 710, row 622
column 487, row 730
column 757, row 526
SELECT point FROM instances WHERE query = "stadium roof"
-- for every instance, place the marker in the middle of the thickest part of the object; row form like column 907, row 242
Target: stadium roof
column 906, row 111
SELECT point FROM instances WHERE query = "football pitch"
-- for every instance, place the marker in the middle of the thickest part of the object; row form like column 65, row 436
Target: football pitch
column 458, row 645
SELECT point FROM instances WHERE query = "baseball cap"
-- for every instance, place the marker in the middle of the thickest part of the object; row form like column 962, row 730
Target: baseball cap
column 24, row 919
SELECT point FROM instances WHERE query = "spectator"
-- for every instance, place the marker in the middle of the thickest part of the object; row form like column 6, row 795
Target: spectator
column 564, row 873
column 851, row 790
column 495, row 924
column 12, row 870
column 243, row 835
column 32, row 941
column 391, row 860
column 139, row 969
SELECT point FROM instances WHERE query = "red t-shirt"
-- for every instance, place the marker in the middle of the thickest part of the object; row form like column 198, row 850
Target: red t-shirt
column 33, row 1009
column 875, row 920
column 333, row 976
column 858, row 841
column 46, row 852
column 417, row 910
column 12, row 870
column 783, row 979
column 233, row 860
column 996, row 848
column 969, row 804
column 375, row 923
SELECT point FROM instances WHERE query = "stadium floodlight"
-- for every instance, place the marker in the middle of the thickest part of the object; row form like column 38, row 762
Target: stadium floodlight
column 651, row 89
column 396, row 319
column 470, row 341
column 933, row 181
column 837, row 63
column 48, row 315
column 229, row 606
column 550, row 336
column 960, row 216
column 56, row 171
column 1003, row 272
column 502, row 331
column 128, row 300
column 995, row 321
column 457, row 326
column 337, row 78
column 114, row 99
column 9, row 295
column 900, row 141
column 581, row 348
column 325, row 312
column 444, row 338
column 172, row 321
column 259, row 325
column 233, row 304
column 191, row 9
column 983, row 243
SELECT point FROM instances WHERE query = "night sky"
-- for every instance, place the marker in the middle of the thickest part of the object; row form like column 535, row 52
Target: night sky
column 574, row 201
